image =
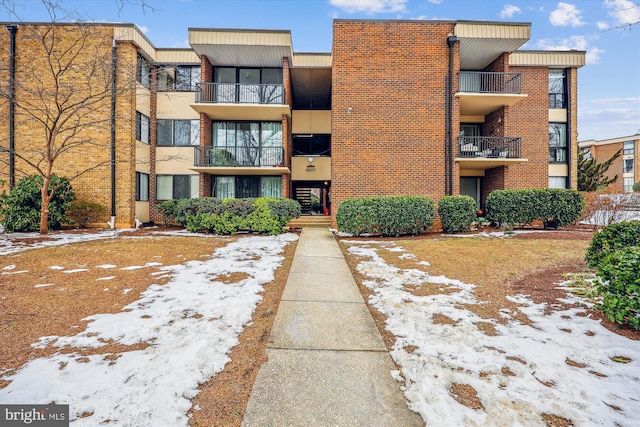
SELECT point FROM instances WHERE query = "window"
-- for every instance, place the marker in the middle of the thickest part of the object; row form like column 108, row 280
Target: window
column 312, row 145
column 627, row 166
column 178, row 132
column 557, row 143
column 143, row 71
column 627, row 184
column 248, row 85
column 557, row 89
column 248, row 143
column 179, row 78
column 173, row 187
column 142, row 187
column 557, row 182
column 142, row 127
column 629, row 148
column 586, row 153
column 225, row 187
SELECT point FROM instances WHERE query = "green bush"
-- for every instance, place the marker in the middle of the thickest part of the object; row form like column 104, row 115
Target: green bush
column 84, row 212
column 610, row 239
column 177, row 211
column 457, row 213
column 555, row 207
column 620, row 286
column 20, row 209
column 387, row 216
column 636, row 187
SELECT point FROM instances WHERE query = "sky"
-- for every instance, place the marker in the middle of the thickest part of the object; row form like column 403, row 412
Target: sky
column 608, row 85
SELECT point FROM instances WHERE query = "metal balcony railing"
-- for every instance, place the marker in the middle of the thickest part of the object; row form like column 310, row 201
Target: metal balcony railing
column 489, row 147
column 235, row 156
column 237, row 93
column 484, row 82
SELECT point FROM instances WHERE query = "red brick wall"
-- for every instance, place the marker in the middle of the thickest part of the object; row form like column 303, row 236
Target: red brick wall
column 388, row 112
column 602, row 153
column 206, row 127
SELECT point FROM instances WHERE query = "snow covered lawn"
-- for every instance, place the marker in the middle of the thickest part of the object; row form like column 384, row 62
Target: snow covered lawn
column 173, row 338
column 560, row 364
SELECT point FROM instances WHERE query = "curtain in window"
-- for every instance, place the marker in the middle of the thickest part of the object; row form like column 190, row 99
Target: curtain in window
column 271, row 186
column 164, row 187
column 248, row 142
column 224, row 187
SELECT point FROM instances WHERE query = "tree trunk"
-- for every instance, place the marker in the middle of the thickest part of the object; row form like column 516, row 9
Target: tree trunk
column 44, row 211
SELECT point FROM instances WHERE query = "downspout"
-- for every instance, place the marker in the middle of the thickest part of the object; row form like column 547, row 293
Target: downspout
column 569, row 134
column 451, row 40
column 12, row 111
column 112, row 223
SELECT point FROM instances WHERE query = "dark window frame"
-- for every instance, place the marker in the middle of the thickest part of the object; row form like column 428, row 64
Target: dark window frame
column 139, row 133
column 180, row 82
column 558, row 93
column 143, row 70
column 142, row 191
column 163, row 124
column 558, row 151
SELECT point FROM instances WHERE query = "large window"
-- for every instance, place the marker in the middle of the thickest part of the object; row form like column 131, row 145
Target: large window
column 557, row 89
column 142, row 187
column 143, row 71
column 557, row 182
column 248, row 85
column 178, row 78
column 142, row 127
column 627, row 165
column 240, row 187
column 178, row 132
column 248, row 143
column 629, row 148
column 170, row 187
column 627, row 184
column 557, row 143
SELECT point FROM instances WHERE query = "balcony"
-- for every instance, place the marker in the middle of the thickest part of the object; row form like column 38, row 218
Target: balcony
column 486, row 152
column 236, row 101
column 483, row 92
column 239, row 160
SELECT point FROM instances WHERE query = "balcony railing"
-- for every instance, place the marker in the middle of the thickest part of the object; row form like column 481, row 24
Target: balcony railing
column 483, row 82
column 235, row 156
column 236, row 93
column 489, row 147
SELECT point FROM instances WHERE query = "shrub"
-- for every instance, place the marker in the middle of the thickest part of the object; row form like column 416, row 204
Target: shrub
column 21, row 208
column 168, row 211
column 387, row 216
column 177, row 211
column 610, row 239
column 554, row 207
column 84, row 212
column 636, row 187
column 457, row 213
column 620, row 286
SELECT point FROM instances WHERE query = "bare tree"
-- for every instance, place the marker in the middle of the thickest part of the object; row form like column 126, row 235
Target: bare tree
column 63, row 101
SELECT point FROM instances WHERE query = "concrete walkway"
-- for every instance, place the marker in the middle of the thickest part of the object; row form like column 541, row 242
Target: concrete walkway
column 328, row 365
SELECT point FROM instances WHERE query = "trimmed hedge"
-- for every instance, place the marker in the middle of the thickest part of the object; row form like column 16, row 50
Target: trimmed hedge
column 610, row 239
column 555, row 207
column 620, row 286
column 457, row 213
column 265, row 215
column 386, row 216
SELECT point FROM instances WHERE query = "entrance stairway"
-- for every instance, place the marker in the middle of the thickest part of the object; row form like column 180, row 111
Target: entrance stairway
column 310, row 221
column 303, row 196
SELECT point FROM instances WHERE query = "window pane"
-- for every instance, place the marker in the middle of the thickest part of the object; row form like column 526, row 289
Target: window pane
column 181, row 187
column 272, row 75
column 166, row 78
column 195, row 132
column 182, row 132
column 164, row 187
column 557, row 89
column 557, row 182
column 225, row 187
column 164, row 132
column 144, row 128
column 195, row 77
column 627, row 184
column 629, row 147
column 628, row 166
column 195, row 186
column 224, row 75
column 247, row 186
column 557, row 135
column 271, row 186
column 142, row 186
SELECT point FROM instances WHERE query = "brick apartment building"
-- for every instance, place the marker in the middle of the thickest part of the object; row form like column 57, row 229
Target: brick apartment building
column 627, row 166
column 397, row 108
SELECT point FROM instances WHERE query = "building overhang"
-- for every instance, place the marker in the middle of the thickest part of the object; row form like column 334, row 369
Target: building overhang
column 479, row 104
column 482, row 42
column 482, row 164
column 243, row 170
column 255, row 112
column 548, row 58
column 242, row 48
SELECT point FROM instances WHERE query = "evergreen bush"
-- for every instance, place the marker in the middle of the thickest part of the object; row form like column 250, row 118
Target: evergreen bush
column 457, row 213
column 619, row 272
column 610, row 239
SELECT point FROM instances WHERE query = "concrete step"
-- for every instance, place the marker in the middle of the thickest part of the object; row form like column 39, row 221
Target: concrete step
column 310, row 221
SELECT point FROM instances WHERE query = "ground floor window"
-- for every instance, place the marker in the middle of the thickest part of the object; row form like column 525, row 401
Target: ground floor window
column 240, row 187
column 557, row 182
column 170, row 187
column 142, row 187
column 627, row 184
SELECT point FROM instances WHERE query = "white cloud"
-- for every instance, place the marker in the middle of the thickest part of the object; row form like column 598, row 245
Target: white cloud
column 625, row 12
column 602, row 25
column 370, row 6
column 566, row 14
column 509, row 10
column 435, row 1
column 573, row 42
column 143, row 28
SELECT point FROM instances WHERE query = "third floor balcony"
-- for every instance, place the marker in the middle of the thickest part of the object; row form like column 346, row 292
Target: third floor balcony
column 482, row 92
column 237, row 101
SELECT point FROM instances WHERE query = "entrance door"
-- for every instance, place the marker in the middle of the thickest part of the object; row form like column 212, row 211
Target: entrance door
column 470, row 186
column 313, row 196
